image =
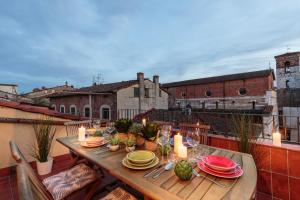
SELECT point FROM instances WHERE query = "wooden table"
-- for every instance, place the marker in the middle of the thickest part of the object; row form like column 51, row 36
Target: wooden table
column 168, row 186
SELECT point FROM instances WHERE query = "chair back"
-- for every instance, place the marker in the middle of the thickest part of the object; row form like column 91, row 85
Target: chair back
column 201, row 128
column 29, row 185
column 162, row 123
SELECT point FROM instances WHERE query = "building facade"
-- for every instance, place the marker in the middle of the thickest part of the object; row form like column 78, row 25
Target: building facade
column 113, row 100
column 288, row 92
column 9, row 88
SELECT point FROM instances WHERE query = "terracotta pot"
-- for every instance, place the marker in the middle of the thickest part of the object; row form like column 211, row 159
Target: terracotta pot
column 150, row 145
column 44, row 168
column 131, row 136
column 140, row 141
column 122, row 136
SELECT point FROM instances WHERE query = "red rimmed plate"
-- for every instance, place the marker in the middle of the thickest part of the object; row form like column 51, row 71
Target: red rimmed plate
column 219, row 163
column 237, row 172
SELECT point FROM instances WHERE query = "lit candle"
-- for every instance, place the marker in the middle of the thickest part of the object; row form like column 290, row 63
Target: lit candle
column 144, row 122
column 177, row 142
column 277, row 139
column 81, row 134
column 182, row 152
column 197, row 129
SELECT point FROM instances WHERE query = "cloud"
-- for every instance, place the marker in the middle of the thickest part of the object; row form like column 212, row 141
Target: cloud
column 49, row 42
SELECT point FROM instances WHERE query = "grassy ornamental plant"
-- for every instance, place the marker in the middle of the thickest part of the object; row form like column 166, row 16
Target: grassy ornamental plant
column 150, row 131
column 44, row 133
column 123, row 125
column 246, row 133
column 113, row 141
column 129, row 142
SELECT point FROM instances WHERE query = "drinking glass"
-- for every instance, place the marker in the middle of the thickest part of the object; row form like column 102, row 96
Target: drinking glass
column 163, row 138
column 192, row 138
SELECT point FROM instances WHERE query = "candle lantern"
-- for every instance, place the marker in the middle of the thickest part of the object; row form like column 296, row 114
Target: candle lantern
column 81, row 134
column 177, row 142
column 277, row 139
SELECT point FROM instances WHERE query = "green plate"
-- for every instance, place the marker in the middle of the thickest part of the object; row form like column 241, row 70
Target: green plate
column 126, row 163
column 140, row 156
column 141, row 164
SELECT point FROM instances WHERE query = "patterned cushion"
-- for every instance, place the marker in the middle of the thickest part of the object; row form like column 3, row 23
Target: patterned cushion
column 66, row 182
column 119, row 194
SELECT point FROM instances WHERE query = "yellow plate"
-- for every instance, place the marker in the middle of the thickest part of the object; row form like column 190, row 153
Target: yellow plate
column 140, row 156
column 128, row 165
column 140, row 164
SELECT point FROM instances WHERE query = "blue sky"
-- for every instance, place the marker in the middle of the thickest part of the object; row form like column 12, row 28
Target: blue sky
column 45, row 43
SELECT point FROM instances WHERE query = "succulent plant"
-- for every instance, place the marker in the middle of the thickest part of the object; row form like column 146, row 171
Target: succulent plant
column 129, row 142
column 150, row 131
column 123, row 125
column 183, row 169
column 136, row 128
column 98, row 134
column 114, row 141
column 165, row 149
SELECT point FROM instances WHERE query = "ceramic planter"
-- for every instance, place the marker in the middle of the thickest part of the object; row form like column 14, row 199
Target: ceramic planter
column 129, row 149
column 140, row 141
column 114, row 147
column 44, row 168
column 122, row 136
column 131, row 136
column 150, row 145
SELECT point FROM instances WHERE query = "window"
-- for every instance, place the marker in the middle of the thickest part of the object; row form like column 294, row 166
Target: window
column 105, row 112
column 53, row 107
column 208, row 93
column 73, row 110
column 287, row 67
column 87, row 111
column 62, row 109
column 147, row 92
column 183, row 94
column 242, row 91
column 136, row 92
column 160, row 93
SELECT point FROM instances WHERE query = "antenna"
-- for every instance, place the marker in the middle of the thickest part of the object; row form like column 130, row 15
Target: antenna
column 287, row 48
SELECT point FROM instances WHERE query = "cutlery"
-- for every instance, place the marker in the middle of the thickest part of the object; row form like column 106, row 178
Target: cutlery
column 153, row 171
column 168, row 167
column 215, row 182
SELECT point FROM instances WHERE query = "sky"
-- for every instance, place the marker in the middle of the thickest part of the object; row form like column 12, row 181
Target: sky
column 45, row 43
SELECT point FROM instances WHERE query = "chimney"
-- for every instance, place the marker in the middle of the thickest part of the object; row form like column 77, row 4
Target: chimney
column 140, row 78
column 156, row 79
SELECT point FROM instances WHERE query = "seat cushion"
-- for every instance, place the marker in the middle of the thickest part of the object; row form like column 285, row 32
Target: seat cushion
column 118, row 194
column 66, row 182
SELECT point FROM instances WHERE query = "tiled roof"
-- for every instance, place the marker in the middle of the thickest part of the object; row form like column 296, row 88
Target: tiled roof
column 288, row 54
column 36, row 109
column 231, row 77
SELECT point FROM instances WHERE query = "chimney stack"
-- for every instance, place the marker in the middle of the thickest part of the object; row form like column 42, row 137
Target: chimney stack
column 156, row 79
column 140, row 78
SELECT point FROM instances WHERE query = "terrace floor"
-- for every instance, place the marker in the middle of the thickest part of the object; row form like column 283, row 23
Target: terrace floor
column 8, row 184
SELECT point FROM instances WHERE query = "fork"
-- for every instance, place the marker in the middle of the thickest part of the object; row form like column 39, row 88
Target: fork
column 215, row 182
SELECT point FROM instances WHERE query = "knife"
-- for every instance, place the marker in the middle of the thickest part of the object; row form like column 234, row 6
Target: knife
column 155, row 170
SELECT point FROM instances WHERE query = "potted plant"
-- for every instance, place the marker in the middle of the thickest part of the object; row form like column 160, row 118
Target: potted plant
column 149, row 133
column 122, row 126
column 130, row 144
column 135, row 131
column 114, row 143
column 44, row 133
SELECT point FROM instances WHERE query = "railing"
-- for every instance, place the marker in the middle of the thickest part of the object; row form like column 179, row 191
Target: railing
column 129, row 113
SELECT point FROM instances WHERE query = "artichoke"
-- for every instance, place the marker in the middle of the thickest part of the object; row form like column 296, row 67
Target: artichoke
column 183, row 170
column 165, row 149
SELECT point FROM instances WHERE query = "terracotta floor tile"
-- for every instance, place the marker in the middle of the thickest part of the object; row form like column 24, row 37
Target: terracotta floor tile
column 279, row 160
column 294, row 188
column 294, row 163
column 280, row 186
column 262, row 157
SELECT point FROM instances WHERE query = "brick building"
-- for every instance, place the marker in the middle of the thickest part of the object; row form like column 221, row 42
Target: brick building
column 236, row 91
column 288, row 93
column 113, row 100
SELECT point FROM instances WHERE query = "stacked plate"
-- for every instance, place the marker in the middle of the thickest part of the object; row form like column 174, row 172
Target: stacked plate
column 220, row 166
column 93, row 142
column 140, row 159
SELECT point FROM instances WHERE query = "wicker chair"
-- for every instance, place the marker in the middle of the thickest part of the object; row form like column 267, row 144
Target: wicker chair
column 203, row 131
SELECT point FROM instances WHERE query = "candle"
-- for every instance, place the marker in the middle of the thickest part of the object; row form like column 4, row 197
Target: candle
column 81, row 134
column 144, row 122
column 277, row 139
column 177, row 142
column 182, row 152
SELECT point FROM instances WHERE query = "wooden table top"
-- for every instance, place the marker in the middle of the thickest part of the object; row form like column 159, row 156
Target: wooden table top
column 168, row 186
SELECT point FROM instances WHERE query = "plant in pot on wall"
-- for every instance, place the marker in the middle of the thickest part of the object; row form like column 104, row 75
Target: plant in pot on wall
column 114, row 143
column 122, row 126
column 136, row 132
column 149, row 133
column 44, row 133
column 130, row 144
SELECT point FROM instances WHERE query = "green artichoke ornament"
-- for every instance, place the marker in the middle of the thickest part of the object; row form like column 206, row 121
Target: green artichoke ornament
column 165, row 149
column 183, row 169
